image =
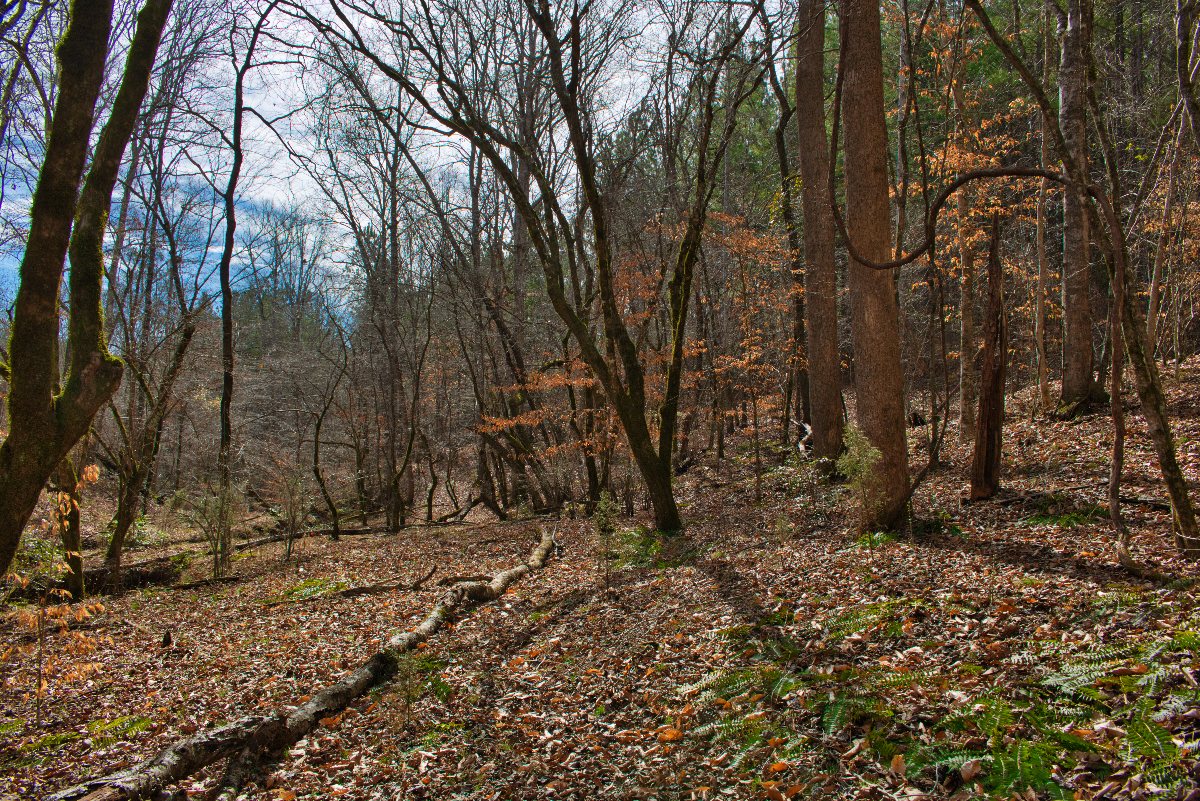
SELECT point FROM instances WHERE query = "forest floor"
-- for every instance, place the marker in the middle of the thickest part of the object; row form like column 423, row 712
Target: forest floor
column 989, row 649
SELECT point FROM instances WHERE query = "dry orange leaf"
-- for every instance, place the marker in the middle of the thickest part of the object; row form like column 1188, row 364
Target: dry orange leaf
column 670, row 735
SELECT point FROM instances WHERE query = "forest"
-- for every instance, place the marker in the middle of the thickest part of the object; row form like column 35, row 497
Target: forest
column 599, row 399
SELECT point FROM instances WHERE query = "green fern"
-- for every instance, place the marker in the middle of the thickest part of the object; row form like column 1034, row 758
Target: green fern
column 941, row 759
column 869, row 616
column 1023, row 765
column 1146, row 739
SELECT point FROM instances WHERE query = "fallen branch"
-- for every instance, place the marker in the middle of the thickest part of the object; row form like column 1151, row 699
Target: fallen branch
column 376, row 589
column 252, row 737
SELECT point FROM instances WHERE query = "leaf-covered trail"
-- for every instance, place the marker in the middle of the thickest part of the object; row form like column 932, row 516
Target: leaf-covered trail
column 992, row 648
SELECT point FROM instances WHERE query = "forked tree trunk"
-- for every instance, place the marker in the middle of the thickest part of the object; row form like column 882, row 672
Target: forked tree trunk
column 989, row 423
column 878, row 379
column 45, row 424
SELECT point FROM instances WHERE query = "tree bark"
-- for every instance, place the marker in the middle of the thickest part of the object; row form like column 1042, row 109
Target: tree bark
column 878, row 377
column 1043, row 275
column 968, row 371
column 820, row 278
column 989, row 429
column 796, row 400
column 1078, row 359
column 1164, row 245
column 44, row 424
column 68, row 481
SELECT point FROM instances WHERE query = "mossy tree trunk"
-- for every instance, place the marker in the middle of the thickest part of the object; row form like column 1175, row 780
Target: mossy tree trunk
column 46, row 423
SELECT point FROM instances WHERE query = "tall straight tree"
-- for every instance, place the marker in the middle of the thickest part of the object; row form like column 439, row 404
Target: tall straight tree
column 46, row 421
column 878, row 377
column 1077, row 382
column 229, row 196
column 820, row 277
column 968, row 348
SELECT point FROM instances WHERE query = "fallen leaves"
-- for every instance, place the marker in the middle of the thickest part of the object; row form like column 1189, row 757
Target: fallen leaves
column 566, row 692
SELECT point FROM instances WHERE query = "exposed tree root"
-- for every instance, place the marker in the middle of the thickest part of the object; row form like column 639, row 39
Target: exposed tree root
column 253, row 737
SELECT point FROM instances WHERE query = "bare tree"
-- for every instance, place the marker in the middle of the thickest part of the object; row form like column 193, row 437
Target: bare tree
column 578, row 47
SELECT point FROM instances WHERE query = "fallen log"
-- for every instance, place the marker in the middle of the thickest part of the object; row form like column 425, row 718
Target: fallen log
column 249, row 739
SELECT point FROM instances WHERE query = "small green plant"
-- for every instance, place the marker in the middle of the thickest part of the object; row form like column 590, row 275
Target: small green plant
column 870, row 616
column 639, row 547
column 144, row 534
column 1028, row 739
column 39, row 560
column 604, row 522
column 875, row 539
column 940, row 524
column 647, row 548
column 1063, row 511
column 785, row 529
column 106, row 732
column 857, row 463
column 308, row 589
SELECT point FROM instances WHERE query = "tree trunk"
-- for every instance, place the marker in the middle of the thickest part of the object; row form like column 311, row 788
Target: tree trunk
column 68, row 482
column 820, row 278
column 44, row 424
column 127, row 501
column 1164, row 245
column 968, row 372
column 879, row 384
column 1043, row 276
column 989, row 429
column 1077, row 382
